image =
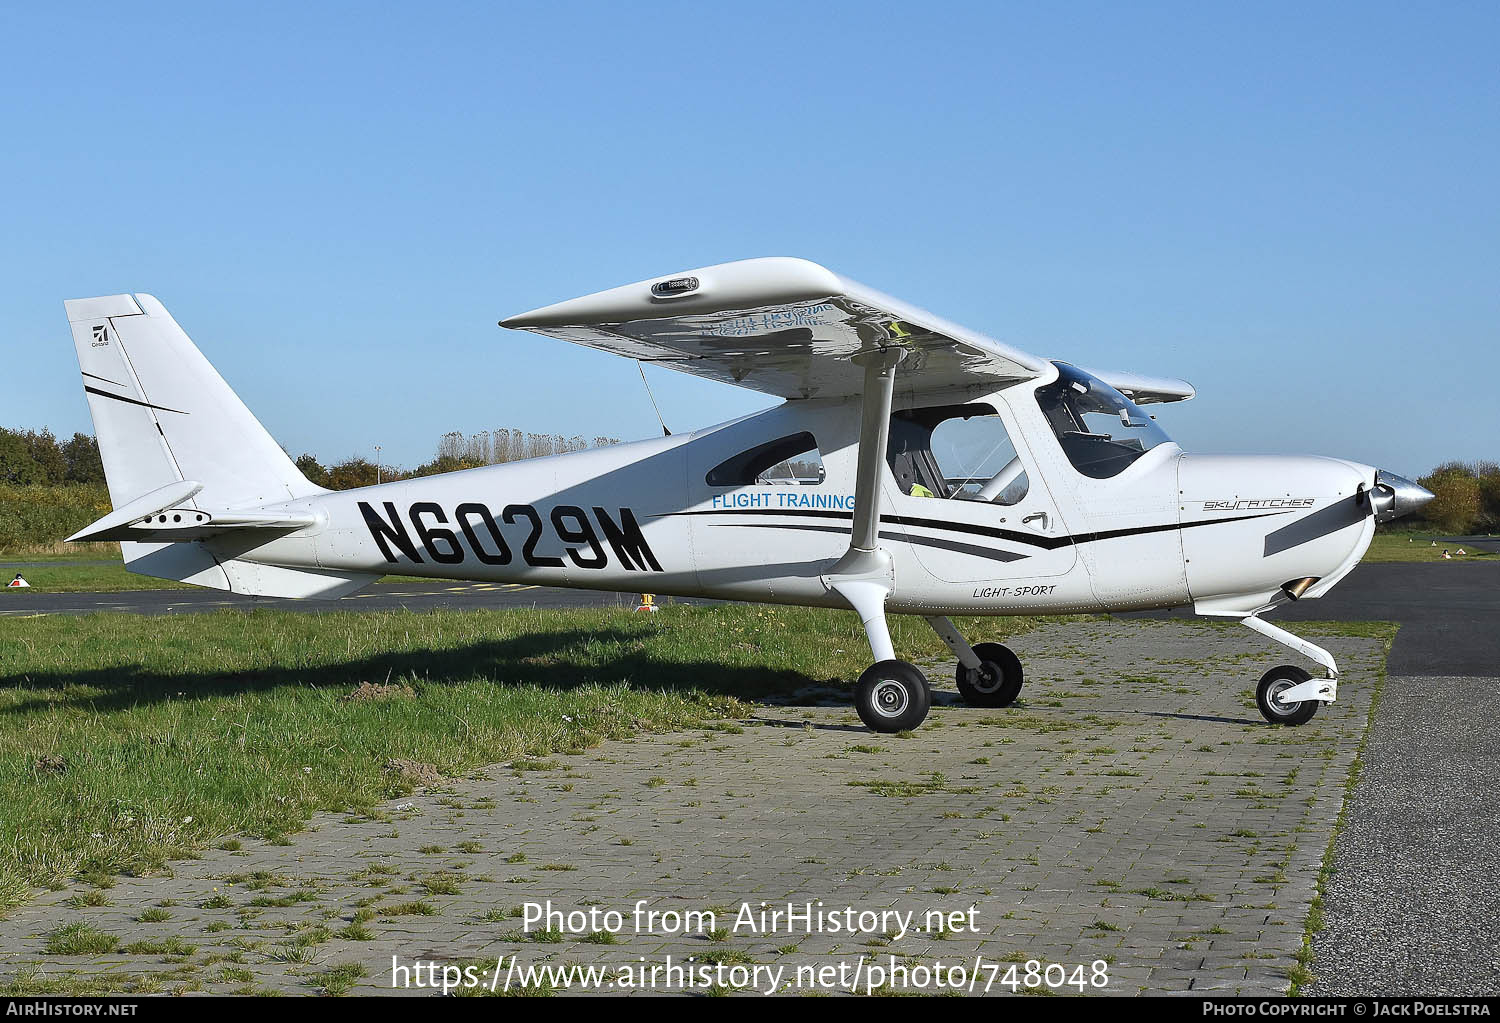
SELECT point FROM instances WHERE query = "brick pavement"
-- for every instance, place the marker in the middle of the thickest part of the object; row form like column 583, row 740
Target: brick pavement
column 1133, row 808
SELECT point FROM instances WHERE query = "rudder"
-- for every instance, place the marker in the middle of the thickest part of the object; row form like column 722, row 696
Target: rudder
column 163, row 414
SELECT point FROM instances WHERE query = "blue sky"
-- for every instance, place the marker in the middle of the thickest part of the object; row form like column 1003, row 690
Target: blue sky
column 1294, row 206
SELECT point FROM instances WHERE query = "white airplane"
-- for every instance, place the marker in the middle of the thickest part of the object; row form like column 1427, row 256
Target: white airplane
column 915, row 467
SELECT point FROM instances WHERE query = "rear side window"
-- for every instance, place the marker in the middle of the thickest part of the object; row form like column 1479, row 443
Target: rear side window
column 787, row 462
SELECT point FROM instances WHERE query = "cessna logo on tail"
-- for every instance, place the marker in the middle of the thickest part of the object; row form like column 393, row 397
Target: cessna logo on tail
column 569, row 523
column 101, row 336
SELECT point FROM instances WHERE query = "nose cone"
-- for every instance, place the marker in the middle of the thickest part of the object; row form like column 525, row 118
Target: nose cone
column 1395, row 496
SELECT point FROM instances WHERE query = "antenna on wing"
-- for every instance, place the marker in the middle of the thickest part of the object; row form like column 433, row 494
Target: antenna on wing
column 665, row 432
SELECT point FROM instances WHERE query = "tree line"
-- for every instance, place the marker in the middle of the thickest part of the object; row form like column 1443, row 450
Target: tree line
column 1466, row 497
column 455, row 451
column 50, row 488
column 37, row 458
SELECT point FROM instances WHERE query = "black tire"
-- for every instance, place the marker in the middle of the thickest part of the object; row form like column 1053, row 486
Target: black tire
column 997, row 680
column 1272, row 709
column 892, row 696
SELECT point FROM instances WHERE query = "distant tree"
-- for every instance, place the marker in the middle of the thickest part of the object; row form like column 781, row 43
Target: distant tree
column 1456, row 505
column 16, row 464
column 1488, row 474
column 48, row 456
column 500, row 447
column 443, row 463
column 81, row 457
column 313, row 470
column 29, row 457
column 356, row 472
column 450, row 446
column 477, row 449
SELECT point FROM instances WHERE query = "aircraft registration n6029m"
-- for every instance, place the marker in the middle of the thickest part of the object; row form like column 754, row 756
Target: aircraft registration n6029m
column 915, row 467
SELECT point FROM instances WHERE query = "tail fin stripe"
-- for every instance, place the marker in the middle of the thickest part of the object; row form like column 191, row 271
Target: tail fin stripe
column 132, row 401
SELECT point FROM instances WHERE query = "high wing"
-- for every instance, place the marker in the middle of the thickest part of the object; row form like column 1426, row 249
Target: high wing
column 787, row 327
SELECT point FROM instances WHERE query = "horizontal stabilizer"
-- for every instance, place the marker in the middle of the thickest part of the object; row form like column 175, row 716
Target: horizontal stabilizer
column 164, row 515
column 142, row 507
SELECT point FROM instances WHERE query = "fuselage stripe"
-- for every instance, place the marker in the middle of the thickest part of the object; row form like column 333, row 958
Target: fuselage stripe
column 993, row 554
column 1030, row 540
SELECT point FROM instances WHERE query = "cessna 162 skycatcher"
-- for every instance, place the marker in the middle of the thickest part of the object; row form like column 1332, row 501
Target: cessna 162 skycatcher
column 915, row 467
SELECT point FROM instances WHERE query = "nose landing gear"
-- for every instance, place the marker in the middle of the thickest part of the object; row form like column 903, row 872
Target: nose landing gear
column 1288, row 695
column 1270, row 696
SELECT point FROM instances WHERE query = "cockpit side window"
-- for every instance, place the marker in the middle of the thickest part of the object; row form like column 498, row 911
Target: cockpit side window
column 787, row 462
column 1101, row 431
column 960, row 452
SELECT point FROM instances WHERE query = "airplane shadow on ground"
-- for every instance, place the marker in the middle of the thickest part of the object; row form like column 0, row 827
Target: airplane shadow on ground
column 554, row 660
column 1212, row 719
column 817, row 726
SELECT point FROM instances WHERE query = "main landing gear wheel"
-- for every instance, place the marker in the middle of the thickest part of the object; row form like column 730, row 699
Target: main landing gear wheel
column 997, row 680
column 1272, row 707
column 892, row 696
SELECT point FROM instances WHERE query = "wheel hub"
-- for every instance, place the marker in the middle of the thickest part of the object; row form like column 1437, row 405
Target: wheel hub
column 1275, row 696
column 986, row 678
column 891, row 698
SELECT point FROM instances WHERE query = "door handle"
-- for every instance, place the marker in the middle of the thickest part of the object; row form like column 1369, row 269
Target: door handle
column 1028, row 520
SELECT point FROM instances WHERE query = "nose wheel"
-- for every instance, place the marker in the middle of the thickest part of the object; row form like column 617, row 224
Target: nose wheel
column 996, row 682
column 892, row 696
column 1270, row 698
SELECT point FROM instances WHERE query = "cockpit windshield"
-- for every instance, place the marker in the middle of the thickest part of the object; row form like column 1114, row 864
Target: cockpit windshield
column 1101, row 431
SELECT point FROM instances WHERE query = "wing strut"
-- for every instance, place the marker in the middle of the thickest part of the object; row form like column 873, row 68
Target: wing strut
column 864, row 576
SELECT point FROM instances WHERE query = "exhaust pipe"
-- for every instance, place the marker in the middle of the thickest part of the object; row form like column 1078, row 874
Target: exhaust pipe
column 1297, row 587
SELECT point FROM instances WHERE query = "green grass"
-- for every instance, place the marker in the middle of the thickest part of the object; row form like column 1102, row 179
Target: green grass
column 98, row 575
column 80, row 939
column 1409, row 547
column 339, row 979
column 33, row 517
column 165, row 735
